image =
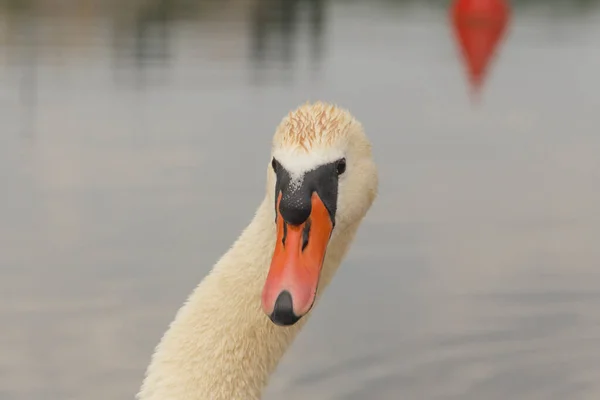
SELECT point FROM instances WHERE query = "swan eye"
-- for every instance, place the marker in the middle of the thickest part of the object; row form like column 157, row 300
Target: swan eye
column 341, row 166
column 274, row 165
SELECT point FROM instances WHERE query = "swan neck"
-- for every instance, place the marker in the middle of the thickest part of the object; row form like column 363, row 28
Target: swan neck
column 221, row 345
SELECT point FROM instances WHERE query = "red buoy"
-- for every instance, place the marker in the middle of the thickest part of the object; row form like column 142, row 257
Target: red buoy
column 479, row 25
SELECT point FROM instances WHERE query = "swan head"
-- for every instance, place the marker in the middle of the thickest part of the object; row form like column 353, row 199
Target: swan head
column 322, row 180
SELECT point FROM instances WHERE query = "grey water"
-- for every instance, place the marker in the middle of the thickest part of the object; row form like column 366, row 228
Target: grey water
column 133, row 148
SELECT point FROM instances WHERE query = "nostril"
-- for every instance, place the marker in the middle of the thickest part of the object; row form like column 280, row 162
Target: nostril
column 283, row 311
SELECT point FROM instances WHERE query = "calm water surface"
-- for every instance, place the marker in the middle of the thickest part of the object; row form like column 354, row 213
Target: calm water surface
column 475, row 276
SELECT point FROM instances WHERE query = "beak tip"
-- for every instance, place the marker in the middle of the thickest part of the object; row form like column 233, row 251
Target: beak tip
column 279, row 321
column 283, row 310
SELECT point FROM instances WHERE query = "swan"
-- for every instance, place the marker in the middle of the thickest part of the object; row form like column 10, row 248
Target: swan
column 230, row 334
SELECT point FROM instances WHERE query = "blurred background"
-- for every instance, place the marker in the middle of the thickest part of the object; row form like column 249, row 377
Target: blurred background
column 122, row 125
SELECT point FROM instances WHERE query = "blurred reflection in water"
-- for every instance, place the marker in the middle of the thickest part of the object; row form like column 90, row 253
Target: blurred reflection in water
column 143, row 38
column 119, row 124
column 282, row 16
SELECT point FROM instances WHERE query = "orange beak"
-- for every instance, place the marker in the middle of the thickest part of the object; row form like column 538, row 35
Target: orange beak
column 291, row 286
